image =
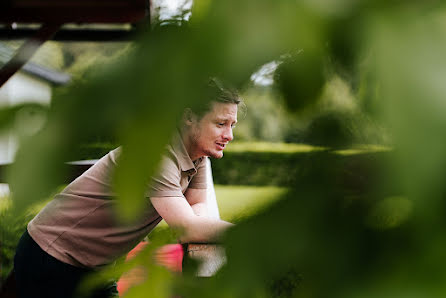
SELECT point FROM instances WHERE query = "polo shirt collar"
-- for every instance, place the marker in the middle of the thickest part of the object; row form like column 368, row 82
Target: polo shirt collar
column 185, row 163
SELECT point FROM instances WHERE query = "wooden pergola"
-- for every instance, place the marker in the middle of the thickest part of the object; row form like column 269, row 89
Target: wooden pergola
column 40, row 20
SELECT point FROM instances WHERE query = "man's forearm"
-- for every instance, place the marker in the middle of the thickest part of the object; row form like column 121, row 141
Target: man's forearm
column 204, row 229
column 200, row 209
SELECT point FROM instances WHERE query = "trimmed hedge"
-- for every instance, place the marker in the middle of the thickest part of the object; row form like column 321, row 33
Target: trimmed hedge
column 284, row 165
column 280, row 164
column 93, row 150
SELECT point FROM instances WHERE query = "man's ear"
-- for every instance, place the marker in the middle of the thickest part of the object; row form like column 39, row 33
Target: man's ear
column 189, row 117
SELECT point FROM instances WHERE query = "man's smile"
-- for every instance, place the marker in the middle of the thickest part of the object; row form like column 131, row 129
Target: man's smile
column 221, row 146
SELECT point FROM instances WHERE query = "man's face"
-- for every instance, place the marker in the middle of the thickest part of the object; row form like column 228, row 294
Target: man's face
column 211, row 134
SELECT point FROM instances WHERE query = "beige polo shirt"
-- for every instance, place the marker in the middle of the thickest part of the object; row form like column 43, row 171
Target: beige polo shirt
column 78, row 226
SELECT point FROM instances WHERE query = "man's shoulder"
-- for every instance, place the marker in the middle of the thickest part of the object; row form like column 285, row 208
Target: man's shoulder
column 169, row 162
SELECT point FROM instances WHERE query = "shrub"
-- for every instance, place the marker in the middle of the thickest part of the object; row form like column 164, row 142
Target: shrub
column 11, row 229
column 284, row 164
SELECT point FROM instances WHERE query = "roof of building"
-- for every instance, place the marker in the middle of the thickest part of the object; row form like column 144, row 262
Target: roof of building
column 51, row 75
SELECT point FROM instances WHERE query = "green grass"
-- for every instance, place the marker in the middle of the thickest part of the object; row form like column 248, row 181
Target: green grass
column 364, row 148
column 237, row 202
column 271, row 147
column 301, row 148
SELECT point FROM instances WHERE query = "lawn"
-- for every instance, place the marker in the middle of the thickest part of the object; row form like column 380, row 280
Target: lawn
column 236, row 202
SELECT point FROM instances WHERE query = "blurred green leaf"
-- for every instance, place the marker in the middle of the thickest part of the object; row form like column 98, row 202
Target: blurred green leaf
column 300, row 79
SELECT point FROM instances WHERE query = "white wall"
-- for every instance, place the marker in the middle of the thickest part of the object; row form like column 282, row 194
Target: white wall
column 21, row 88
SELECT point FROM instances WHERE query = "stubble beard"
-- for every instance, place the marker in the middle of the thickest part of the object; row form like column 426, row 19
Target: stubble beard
column 198, row 147
column 213, row 155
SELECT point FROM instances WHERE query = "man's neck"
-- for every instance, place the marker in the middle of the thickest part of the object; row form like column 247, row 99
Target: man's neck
column 189, row 144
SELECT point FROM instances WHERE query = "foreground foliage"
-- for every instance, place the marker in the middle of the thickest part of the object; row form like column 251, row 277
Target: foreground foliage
column 339, row 239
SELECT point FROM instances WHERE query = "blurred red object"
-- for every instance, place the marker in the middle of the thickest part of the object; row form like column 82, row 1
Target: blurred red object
column 169, row 256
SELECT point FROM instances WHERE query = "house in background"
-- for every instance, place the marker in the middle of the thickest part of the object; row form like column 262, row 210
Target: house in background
column 32, row 84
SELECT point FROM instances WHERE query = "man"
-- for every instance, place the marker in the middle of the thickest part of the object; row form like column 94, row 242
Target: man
column 77, row 233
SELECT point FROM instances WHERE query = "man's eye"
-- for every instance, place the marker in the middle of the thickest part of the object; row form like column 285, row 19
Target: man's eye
column 233, row 126
column 220, row 124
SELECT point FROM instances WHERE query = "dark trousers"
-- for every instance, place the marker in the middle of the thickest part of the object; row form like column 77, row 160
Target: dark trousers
column 40, row 275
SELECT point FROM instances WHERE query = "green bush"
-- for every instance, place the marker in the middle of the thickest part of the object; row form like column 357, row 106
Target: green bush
column 93, row 150
column 285, row 164
column 11, row 229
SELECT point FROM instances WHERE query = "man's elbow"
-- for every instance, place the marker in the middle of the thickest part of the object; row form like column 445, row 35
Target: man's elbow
column 191, row 232
column 192, row 238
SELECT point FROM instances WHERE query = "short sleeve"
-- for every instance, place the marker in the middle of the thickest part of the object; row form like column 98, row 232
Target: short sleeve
column 199, row 180
column 167, row 182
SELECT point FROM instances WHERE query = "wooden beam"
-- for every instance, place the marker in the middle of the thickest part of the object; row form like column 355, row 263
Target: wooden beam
column 211, row 257
column 73, row 11
column 94, row 35
column 26, row 51
column 71, row 15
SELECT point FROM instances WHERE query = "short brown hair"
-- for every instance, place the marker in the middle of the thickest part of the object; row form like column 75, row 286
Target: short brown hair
column 218, row 92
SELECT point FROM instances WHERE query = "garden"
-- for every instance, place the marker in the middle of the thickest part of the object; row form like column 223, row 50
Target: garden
column 335, row 176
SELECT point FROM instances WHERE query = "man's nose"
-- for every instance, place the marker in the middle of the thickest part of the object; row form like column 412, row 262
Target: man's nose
column 228, row 134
